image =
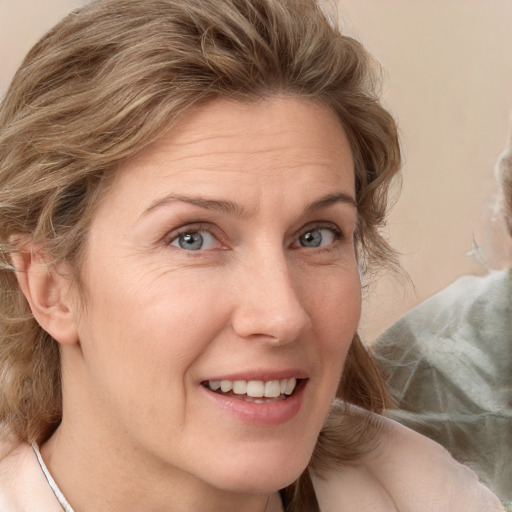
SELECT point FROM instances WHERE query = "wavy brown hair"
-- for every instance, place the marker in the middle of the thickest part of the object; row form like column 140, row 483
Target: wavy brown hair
column 101, row 86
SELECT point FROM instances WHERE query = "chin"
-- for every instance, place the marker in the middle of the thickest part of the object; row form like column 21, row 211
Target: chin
column 263, row 473
column 260, row 483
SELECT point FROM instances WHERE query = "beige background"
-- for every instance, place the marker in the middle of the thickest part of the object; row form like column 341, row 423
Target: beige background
column 449, row 83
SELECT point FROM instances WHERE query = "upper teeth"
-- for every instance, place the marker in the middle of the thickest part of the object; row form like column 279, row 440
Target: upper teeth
column 255, row 388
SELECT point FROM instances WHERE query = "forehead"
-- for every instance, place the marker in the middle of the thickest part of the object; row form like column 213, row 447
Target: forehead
column 282, row 140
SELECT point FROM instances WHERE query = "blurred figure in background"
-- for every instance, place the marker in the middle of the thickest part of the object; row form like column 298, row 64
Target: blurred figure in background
column 448, row 362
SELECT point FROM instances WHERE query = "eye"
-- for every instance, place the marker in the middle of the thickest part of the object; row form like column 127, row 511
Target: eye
column 318, row 237
column 195, row 241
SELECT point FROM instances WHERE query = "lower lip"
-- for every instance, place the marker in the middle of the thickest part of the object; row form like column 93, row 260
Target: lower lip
column 265, row 414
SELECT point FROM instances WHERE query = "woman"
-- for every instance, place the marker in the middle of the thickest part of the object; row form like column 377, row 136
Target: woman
column 189, row 192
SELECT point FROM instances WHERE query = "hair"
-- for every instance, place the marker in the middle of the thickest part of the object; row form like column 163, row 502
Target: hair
column 105, row 83
column 504, row 179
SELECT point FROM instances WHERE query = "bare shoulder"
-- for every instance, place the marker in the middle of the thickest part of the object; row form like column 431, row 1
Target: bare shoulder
column 404, row 471
column 13, row 457
column 23, row 487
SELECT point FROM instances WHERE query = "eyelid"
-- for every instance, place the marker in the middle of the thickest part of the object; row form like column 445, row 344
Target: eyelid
column 195, row 227
column 338, row 232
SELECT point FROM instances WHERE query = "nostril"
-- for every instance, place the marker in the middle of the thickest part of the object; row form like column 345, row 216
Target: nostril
column 259, row 324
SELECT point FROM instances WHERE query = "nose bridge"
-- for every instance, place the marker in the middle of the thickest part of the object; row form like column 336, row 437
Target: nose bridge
column 269, row 305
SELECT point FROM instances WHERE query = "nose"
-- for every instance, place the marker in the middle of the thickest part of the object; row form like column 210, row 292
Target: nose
column 269, row 307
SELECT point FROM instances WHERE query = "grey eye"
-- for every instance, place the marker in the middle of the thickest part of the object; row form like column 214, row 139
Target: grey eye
column 317, row 237
column 312, row 238
column 190, row 241
column 199, row 240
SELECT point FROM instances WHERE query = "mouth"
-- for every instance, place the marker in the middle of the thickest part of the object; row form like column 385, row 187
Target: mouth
column 255, row 391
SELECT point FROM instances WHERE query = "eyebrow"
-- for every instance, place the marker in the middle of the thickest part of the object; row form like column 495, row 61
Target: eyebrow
column 232, row 208
column 219, row 205
column 324, row 202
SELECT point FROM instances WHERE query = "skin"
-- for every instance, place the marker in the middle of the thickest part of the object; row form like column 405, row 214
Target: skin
column 139, row 431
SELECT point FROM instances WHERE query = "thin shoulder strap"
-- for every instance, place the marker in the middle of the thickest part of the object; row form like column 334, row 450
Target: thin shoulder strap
column 51, row 482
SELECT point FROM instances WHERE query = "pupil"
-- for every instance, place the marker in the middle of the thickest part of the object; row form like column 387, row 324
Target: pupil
column 191, row 241
column 312, row 238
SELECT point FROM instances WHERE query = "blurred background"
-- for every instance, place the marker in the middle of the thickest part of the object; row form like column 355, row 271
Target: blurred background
column 448, row 82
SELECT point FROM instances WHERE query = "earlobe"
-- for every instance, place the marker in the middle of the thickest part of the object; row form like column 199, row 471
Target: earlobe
column 47, row 293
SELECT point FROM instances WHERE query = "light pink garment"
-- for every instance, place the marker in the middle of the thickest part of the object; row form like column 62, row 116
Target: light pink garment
column 23, row 486
column 406, row 472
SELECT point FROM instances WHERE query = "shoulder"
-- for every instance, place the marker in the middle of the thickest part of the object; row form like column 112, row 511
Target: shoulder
column 23, row 486
column 404, row 472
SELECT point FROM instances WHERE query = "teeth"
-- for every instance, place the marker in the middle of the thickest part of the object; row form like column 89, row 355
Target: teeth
column 226, row 385
column 215, row 384
column 272, row 388
column 255, row 388
column 290, row 386
column 239, row 387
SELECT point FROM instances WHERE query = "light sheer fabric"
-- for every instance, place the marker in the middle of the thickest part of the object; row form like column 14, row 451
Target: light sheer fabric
column 448, row 364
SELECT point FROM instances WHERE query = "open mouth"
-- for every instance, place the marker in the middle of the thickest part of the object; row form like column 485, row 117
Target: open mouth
column 256, row 391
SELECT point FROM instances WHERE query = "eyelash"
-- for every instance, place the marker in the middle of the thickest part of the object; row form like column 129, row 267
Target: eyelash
column 207, row 228
column 336, row 231
column 191, row 229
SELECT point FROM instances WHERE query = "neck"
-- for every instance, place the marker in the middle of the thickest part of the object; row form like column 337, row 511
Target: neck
column 78, row 466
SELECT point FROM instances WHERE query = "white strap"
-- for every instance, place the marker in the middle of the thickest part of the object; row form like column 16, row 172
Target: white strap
column 58, row 494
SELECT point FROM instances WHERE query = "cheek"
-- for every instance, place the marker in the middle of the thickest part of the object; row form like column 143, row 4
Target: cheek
column 336, row 309
column 337, row 318
column 138, row 320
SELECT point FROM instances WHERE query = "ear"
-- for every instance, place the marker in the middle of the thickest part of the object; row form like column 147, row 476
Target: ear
column 48, row 293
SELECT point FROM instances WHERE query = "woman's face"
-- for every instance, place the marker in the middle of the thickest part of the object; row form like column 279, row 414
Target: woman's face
column 222, row 256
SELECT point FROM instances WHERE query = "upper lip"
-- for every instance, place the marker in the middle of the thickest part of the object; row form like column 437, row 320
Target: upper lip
column 264, row 375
